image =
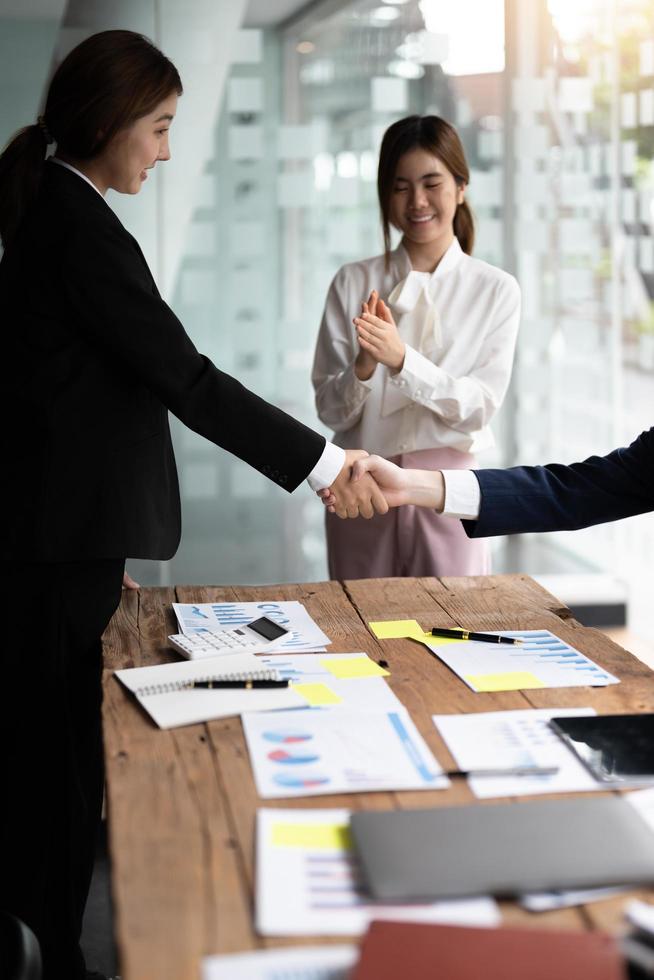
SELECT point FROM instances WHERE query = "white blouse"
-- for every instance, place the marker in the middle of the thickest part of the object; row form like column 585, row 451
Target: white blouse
column 459, row 325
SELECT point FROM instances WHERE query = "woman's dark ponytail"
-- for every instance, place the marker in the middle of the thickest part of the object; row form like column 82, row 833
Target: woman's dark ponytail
column 464, row 227
column 102, row 86
column 21, row 169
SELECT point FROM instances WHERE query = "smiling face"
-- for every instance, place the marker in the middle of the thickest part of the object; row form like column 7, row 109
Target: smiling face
column 124, row 164
column 424, row 199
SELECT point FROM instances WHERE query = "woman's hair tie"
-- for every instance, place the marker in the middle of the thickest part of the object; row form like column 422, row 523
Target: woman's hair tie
column 40, row 122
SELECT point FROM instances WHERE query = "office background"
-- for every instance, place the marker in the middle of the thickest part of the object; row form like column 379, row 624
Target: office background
column 272, row 187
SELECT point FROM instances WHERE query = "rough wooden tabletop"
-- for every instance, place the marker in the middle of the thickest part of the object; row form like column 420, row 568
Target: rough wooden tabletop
column 182, row 803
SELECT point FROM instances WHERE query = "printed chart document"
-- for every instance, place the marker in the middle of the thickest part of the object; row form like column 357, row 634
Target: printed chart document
column 214, row 616
column 306, row 963
column 317, row 752
column 307, row 881
column 160, row 690
column 543, row 660
column 515, row 739
column 348, row 680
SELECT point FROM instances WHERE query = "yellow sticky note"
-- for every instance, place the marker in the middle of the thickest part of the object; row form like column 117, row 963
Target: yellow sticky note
column 319, row 836
column 317, row 694
column 344, row 667
column 393, row 629
column 517, row 680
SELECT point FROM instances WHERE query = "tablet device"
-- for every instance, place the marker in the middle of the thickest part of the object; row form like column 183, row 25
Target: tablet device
column 617, row 749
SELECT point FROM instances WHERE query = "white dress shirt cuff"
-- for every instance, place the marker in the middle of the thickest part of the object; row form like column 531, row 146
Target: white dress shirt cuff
column 462, row 494
column 327, row 468
column 420, row 379
column 353, row 390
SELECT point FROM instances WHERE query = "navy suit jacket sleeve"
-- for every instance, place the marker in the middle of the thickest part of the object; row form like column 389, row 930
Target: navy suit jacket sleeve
column 564, row 498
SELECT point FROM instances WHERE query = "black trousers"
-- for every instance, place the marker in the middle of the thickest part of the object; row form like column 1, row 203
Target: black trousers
column 51, row 756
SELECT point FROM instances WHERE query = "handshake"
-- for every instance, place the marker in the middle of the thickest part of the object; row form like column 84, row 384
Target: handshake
column 369, row 484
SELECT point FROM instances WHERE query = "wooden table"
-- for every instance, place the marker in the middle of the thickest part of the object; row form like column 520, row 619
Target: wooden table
column 182, row 803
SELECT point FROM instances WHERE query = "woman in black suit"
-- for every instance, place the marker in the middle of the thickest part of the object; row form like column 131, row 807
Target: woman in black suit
column 94, row 361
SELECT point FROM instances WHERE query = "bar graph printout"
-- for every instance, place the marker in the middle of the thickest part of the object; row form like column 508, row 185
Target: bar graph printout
column 208, row 617
column 542, row 660
column 515, row 740
column 308, row 882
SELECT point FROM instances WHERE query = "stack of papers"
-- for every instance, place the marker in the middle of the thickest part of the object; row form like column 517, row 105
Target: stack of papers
column 211, row 617
column 307, row 882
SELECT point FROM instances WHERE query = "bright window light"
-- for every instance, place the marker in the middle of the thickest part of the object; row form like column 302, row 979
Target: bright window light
column 384, row 15
column 475, row 29
column 347, row 164
column 575, row 19
column 368, row 165
column 323, row 171
column 405, row 69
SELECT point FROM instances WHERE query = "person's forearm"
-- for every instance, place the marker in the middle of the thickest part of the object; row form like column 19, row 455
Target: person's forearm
column 426, row 488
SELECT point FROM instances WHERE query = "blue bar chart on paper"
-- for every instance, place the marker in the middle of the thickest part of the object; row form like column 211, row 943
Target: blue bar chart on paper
column 541, row 660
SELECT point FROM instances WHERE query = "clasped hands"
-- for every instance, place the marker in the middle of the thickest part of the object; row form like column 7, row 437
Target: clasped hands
column 370, row 483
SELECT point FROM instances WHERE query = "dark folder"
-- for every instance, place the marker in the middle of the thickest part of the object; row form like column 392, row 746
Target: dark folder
column 503, row 849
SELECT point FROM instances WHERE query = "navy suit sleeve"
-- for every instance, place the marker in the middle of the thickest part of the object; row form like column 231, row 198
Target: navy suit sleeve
column 564, row 498
column 118, row 308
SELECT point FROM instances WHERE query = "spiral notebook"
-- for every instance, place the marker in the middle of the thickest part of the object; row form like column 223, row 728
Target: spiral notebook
column 160, row 689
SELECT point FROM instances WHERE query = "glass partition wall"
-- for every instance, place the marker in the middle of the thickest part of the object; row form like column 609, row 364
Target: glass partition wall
column 554, row 101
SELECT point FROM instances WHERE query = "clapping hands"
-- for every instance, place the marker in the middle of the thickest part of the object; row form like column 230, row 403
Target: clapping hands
column 379, row 340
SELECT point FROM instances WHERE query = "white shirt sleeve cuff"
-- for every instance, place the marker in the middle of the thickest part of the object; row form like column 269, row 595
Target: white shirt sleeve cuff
column 462, row 494
column 327, row 468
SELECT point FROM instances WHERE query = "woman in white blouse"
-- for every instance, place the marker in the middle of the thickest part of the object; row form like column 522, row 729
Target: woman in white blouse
column 418, row 378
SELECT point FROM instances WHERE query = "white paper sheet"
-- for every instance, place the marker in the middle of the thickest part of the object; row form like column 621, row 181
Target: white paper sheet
column 174, row 708
column 510, row 739
column 306, row 963
column 307, row 881
column 641, row 915
column 546, row 901
column 214, row 616
column 361, row 693
column 317, row 752
column 542, row 661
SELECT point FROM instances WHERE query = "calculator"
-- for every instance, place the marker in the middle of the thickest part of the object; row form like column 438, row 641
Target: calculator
column 259, row 636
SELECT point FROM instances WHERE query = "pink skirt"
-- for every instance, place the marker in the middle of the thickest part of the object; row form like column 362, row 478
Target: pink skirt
column 408, row 540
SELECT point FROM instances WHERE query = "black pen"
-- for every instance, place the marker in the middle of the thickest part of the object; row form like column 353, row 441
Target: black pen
column 469, row 635
column 235, row 685
column 515, row 771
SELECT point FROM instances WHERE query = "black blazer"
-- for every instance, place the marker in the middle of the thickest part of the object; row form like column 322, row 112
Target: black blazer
column 94, row 359
column 564, row 498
